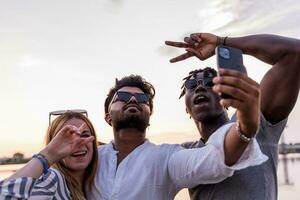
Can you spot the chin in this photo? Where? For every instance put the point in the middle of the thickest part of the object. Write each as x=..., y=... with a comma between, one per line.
x=203, y=117
x=78, y=166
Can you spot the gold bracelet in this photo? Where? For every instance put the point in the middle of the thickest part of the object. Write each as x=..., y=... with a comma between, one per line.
x=242, y=136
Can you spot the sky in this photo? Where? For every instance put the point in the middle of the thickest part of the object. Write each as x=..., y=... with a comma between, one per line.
x=66, y=54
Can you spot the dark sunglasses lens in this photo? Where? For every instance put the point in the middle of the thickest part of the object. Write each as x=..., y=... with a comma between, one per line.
x=190, y=84
x=209, y=83
x=123, y=96
x=142, y=98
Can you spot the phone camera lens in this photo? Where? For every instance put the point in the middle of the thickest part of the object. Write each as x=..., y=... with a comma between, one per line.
x=224, y=53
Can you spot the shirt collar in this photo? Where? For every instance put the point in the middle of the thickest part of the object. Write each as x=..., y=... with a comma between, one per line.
x=113, y=151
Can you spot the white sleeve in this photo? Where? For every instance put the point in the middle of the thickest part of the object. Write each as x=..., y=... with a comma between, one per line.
x=205, y=165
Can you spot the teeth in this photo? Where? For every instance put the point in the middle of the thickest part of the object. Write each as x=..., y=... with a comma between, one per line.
x=79, y=153
x=200, y=99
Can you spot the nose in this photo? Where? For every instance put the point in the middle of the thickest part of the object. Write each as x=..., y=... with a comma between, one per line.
x=200, y=88
x=132, y=99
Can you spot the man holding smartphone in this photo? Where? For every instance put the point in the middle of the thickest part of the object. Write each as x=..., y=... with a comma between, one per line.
x=279, y=92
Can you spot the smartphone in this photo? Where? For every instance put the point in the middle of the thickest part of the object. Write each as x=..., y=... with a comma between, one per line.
x=229, y=58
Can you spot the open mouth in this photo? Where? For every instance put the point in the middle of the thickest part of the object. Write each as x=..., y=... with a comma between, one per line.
x=79, y=153
x=200, y=99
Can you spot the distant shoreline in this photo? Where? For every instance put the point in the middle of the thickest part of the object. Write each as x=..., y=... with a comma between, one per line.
x=25, y=160
x=14, y=161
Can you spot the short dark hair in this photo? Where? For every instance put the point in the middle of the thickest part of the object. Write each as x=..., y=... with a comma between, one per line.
x=131, y=81
x=207, y=71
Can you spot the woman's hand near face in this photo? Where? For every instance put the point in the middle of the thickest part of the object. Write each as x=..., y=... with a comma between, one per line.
x=65, y=143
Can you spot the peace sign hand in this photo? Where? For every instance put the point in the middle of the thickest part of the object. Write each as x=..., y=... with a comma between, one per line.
x=200, y=45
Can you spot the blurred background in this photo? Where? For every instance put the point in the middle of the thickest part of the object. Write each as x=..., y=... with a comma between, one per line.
x=66, y=55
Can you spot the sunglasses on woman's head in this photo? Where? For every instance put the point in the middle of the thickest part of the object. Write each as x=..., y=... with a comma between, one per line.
x=61, y=112
x=126, y=96
x=193, y=83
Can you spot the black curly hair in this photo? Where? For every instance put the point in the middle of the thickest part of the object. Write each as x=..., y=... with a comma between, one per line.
x=208, y=72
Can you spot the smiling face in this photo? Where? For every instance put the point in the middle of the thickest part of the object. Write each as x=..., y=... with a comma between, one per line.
x=82, y=157
x=130, y=114
x=202, y=103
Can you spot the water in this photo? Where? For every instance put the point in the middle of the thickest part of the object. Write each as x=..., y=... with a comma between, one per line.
x=291, y=190
x=286, y=191
x=7, y=170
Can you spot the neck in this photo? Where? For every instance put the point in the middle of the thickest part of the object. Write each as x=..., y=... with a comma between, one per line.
x=126, y=140
x=206, y=129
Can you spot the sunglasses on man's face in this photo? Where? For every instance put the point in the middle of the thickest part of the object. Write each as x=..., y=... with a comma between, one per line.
x=126, y=96
x=193, y=83
x=61, y=112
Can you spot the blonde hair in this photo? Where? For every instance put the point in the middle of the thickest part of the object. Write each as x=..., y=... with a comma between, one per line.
x=76, y=192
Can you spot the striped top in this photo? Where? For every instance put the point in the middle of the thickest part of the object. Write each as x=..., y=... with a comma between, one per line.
x=49, y=186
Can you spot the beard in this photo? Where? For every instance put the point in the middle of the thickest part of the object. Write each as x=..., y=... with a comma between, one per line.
x=139, y=121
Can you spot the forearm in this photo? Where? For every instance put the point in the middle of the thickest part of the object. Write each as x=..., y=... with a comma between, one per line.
x=234, y=147
x=268, y=48
x=33, y=169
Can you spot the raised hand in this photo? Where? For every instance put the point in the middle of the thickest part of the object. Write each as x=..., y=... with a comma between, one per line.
x=201, y=45
x=66, y=142
x=246, y=97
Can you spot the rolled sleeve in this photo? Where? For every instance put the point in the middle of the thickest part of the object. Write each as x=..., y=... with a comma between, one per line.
x=30, y=188
x=19, y=188
x=190, y=167
x=252, y=155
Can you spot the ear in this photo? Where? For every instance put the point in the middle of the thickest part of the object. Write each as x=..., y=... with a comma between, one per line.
x=186, y=110
x=108, y=119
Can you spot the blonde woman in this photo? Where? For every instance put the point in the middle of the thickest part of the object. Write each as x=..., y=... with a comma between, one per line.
x=71, y=152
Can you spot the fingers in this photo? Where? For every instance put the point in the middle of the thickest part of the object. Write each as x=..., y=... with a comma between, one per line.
x=231, y=103
x=190, y=42
x=243, y=90
x=241, y=83
x=69, y=130
x=176, y=44
x=181, y=57
x=241, y=75
x=196, y=37
x=234, y=92
x=82, y=127
x=82, y=141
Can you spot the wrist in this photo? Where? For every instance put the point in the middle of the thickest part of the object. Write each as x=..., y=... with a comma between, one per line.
x=50, y=157
x=221, y=40
x=245, y=136
x=43, y=161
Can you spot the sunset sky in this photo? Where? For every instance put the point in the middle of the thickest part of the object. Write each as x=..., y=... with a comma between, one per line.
x=66, y=54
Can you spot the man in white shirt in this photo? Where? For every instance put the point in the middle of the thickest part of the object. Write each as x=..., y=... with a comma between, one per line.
x=131, y=167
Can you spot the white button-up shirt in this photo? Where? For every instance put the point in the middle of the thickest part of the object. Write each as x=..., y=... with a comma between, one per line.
x=158, y=172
